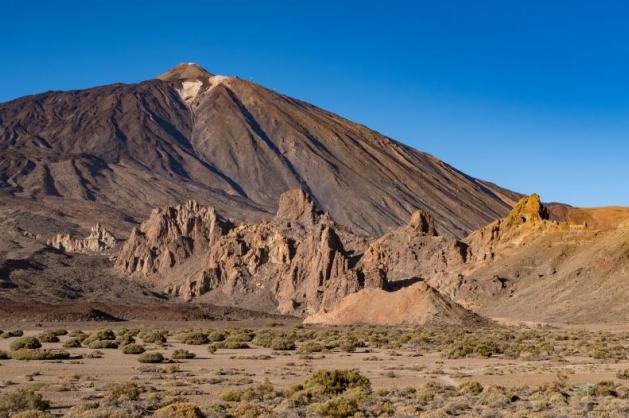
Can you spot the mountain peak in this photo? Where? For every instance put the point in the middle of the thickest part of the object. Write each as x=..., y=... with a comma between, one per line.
x=185, y=71
x=529, y=208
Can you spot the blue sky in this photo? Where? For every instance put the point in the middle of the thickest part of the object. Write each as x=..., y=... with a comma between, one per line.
x=533, y=95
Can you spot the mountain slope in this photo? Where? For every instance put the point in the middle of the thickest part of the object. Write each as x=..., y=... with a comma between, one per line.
x=120, y=150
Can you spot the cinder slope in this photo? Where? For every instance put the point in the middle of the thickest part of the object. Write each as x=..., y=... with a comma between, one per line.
x=418, y=304
x=121, y=150
x=609, y=217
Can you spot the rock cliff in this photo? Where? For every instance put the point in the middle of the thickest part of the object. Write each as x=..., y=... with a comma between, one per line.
x=296, y=262
x=99, y=240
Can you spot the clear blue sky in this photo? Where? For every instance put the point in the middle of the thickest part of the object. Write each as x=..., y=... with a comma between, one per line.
x=533, y=95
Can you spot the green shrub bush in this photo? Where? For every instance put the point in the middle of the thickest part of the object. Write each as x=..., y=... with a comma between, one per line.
x=231, y=345
x=264, y=339
x=72, y=343
x=124, y=391
x=179, y=410
x=133, y=349
x=183, y=354
x=78, y=334
x=231, y=396
x=101, y=344
x=39, y=354
x=193, y=338
x=22, y=400
x=334, y=382
x=48, y=337
x=100, y=335
x=153, y=357
x=11, y=334
x=282, y=343
x=153, y=337
x=25, y=342
x=215, y=336
x=470, y=387
x=311, y=347
x=125, y=339
x=337, y=407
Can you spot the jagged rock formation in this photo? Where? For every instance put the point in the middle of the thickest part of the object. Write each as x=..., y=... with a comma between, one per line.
x=122, y=150
x=422, y=222
x=171, y=236
x=99, y=240
x=528, y=218
x=418, y=304
x=411, y=252
x=523, y=266
x=299, y=263
x=296, y=263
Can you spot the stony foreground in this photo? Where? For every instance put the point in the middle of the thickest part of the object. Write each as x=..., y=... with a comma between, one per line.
x=283, y=369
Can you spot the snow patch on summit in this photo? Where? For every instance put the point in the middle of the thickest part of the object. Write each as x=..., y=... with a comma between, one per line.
x=190, y=90
x=218, y=80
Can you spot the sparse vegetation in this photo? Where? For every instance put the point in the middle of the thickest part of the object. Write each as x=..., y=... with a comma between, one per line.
x=153, y=337
x=48, y=337
x=39, y=354
x=151, y=357
x=99, y=335
x=72, y=343
x=336, y=381
x=12, y=334
x=125, y=391
x=103, y=344
x=163, y=387
x=22, y=400
x=193, y=338
x=25, y=342
x=179, y=410
x=133, y=349
x=182, y=354
x=125, y=339
x=282, y=343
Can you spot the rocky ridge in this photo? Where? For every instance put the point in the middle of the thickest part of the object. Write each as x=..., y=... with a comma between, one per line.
x=99, y=240
x=302, y=263
x=298, y=262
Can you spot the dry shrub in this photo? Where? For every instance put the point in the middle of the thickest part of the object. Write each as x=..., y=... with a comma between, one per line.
x=133, y=349
x=179, y=410
x=125, y=391
x=22, y=400
x=153, y=357
x=39, y=354
x=25, y=342
x=182, y=354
